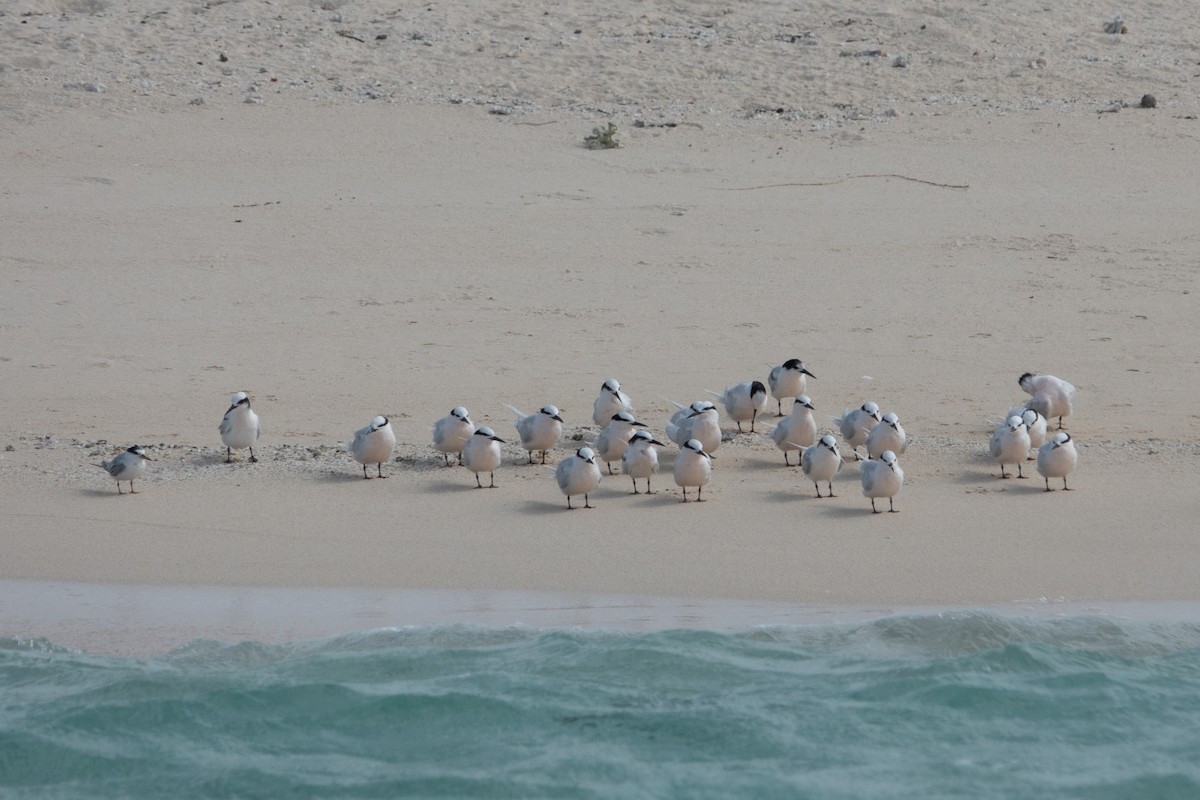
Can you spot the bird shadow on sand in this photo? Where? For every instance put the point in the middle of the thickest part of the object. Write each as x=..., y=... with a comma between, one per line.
x=788, y=496
x=618, y=496
x=105, y=492
x=770, y=465
x=992, y=482
x=546, y=507
x=808, y=497
x=976, y=476
x=844, y=510
x=348, y=476
x=206, y=459
x=446, y=486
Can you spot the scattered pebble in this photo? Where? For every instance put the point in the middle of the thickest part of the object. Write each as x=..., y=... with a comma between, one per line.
x=1148, y=101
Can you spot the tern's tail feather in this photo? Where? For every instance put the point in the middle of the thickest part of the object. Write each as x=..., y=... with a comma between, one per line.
x=716, y=395
x=520, y=414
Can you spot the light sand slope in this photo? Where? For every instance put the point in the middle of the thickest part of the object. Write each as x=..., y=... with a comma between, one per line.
x=340, y=263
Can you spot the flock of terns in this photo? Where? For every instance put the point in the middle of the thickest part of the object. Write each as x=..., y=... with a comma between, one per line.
x=695, y=428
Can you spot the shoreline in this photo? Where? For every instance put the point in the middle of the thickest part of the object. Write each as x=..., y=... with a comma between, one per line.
x=148, y=621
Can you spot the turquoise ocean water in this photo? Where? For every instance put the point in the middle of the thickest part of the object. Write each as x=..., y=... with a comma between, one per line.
x=966, y=704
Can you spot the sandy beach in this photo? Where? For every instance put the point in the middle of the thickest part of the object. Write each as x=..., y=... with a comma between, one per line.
x=346, y=225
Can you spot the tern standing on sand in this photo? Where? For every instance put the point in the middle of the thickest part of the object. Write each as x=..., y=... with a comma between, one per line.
x=539, y=431
x=373, y=445
x=481, y=454
x=611, y=400
x=697, y=421
x=744, y=401
x=798, y=431
x=693, y=467
x=821, y=462
x=1050, y=396
x=1057, y=458
x=882, y=478
x=578, y=475
x=788, y=380
x=451, y=432
x=239, y=428
x=640, y=459
x=1010, y=444
x=612, y=441
x=856, y=425
x=129, y=465
x=887, y=435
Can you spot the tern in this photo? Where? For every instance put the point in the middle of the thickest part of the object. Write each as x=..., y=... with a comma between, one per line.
x=373, y=445
x=451, y=432
x=693, y=467
x=578, y=475
x=882, y=478
x=239, y=428
x=788, y=380
x=129, y=465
